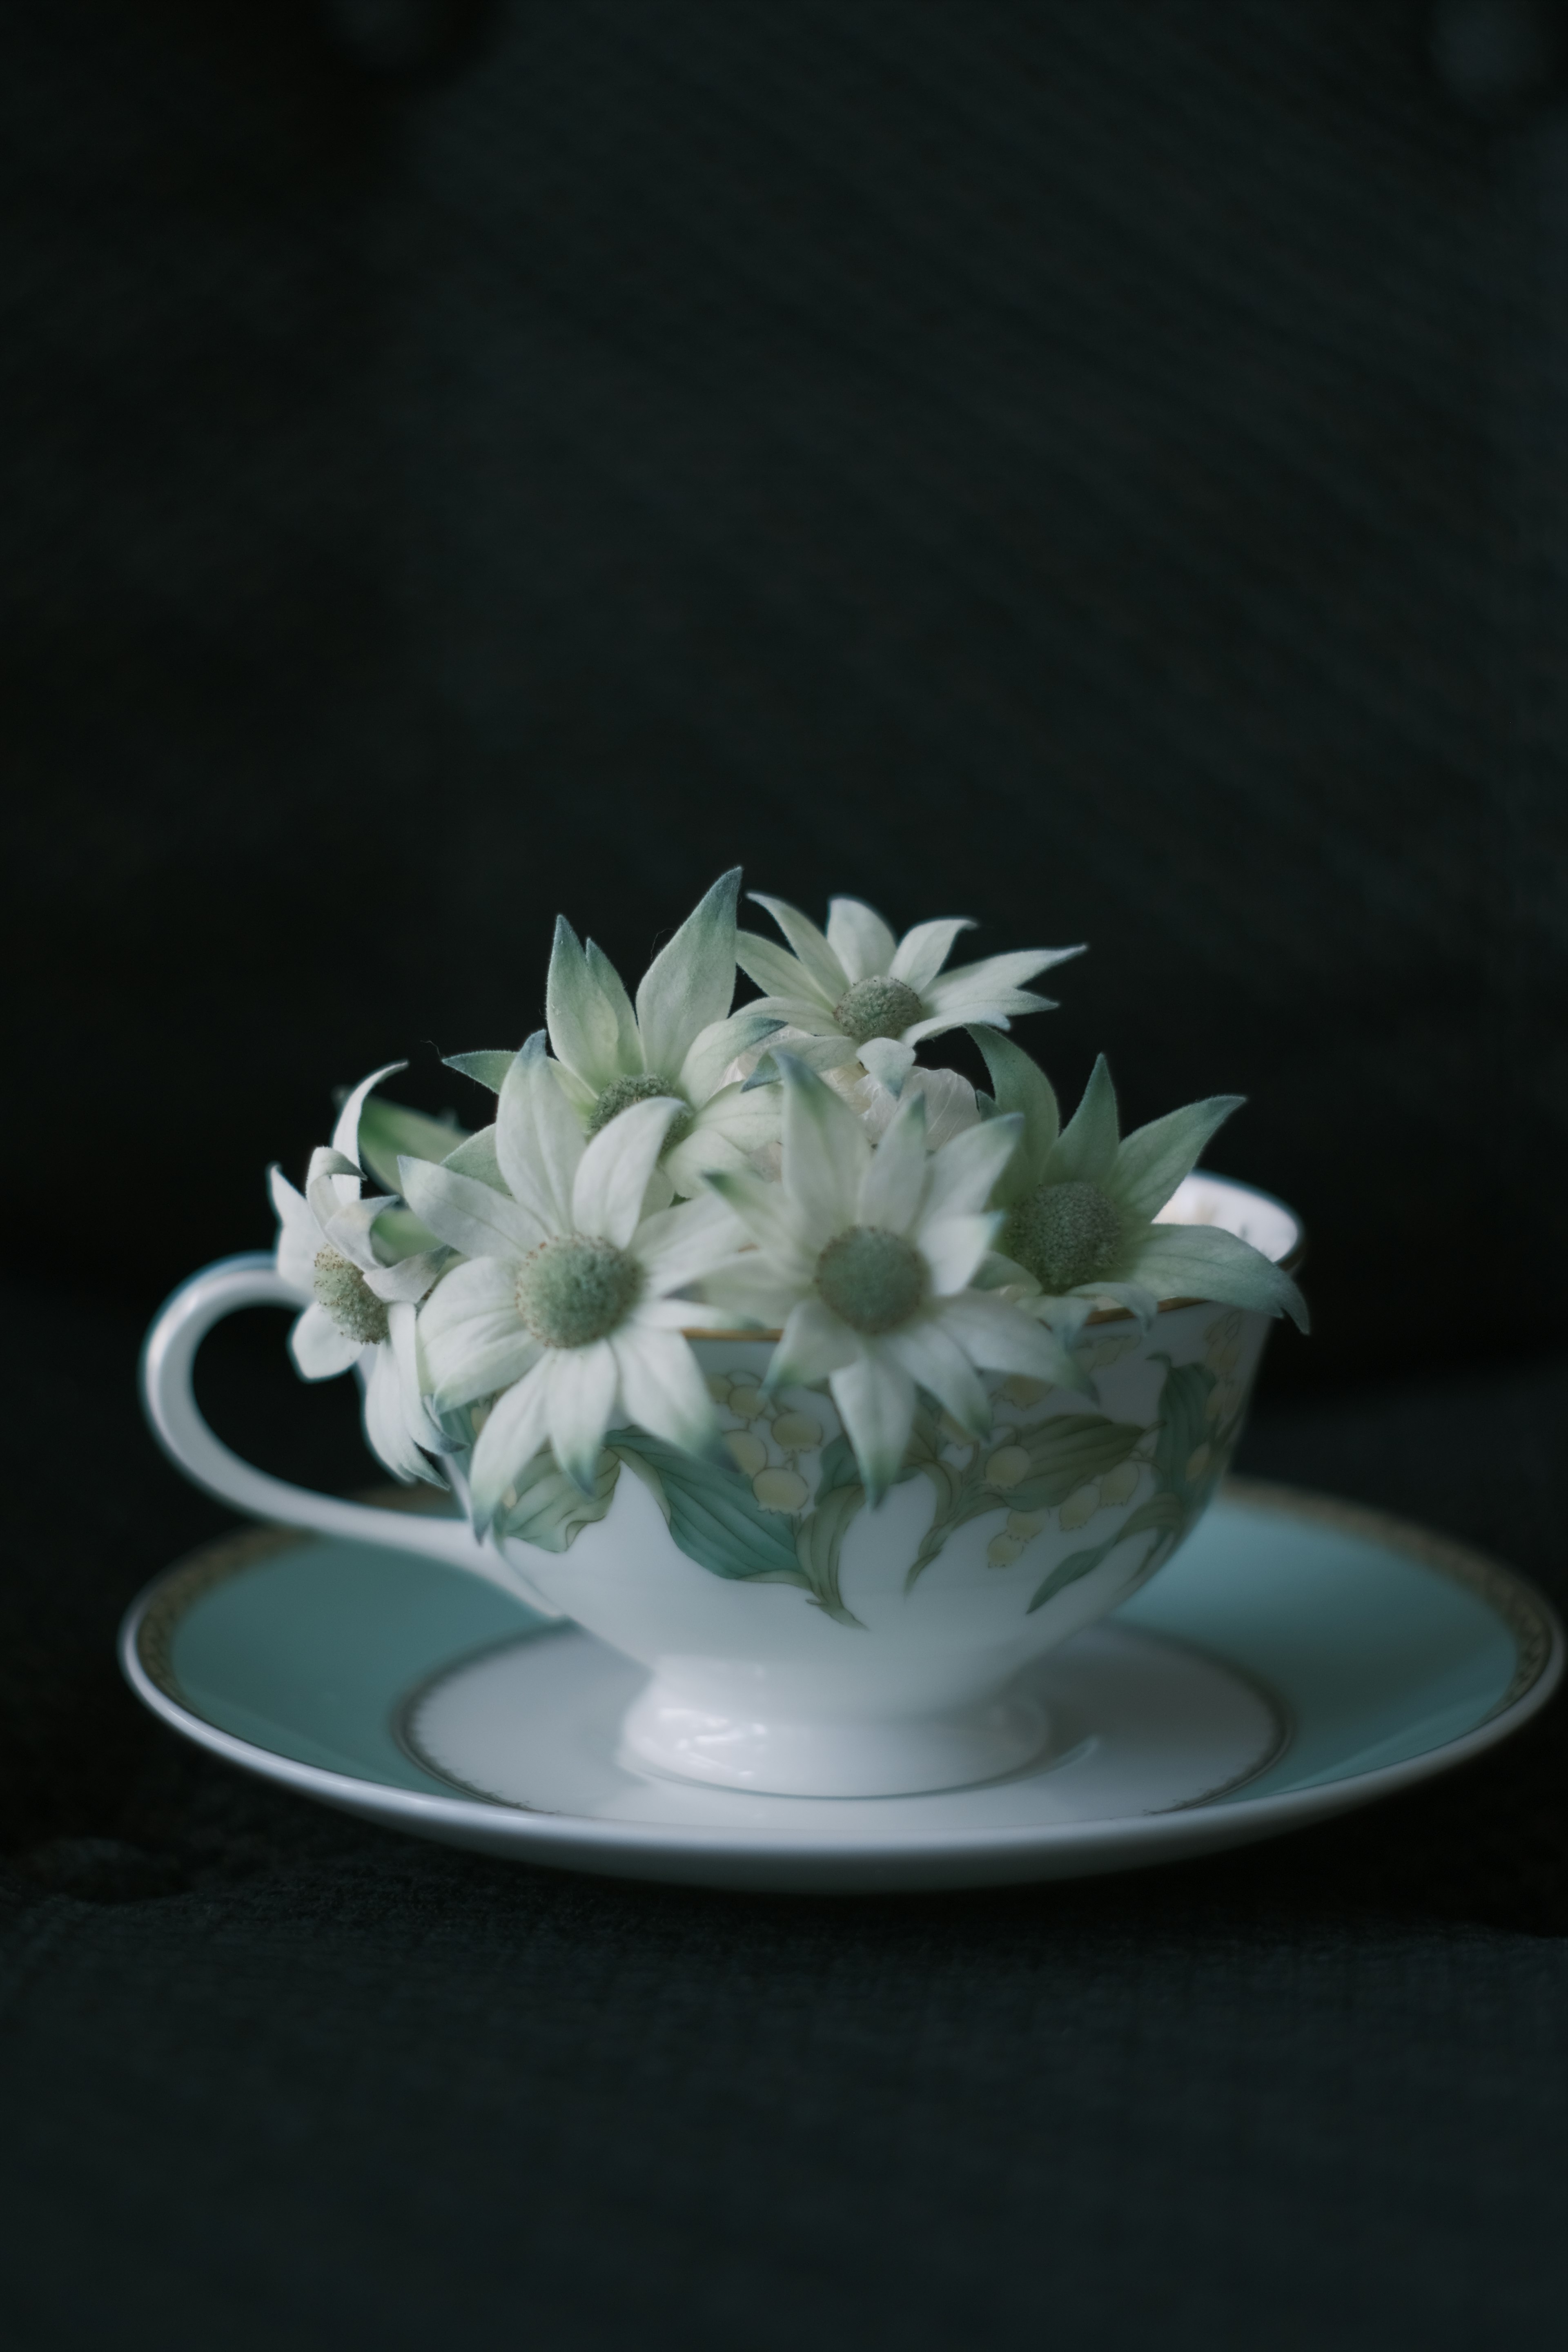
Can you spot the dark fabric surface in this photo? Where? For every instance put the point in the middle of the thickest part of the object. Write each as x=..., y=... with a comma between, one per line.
x=271, y=2075
x=1098, y=469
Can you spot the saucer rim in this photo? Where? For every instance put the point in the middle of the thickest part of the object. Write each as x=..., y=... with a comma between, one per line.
x=930, y=1858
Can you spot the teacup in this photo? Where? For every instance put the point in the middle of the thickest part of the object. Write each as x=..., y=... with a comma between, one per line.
x=796, y=1643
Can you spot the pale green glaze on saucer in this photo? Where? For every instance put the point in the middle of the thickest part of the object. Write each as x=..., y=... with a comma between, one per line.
x=1296, y=1658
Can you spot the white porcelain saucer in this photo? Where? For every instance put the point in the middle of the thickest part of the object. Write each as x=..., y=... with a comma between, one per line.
x=1297, y=1658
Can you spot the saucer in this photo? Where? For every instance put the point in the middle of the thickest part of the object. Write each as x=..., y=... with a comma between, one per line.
x=1297, y=1658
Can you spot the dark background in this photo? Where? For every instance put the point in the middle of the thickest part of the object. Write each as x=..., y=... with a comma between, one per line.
x=1095, y=468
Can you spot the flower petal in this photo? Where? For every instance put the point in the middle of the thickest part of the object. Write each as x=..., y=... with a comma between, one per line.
x=537, y=1140
x=345, y=1135
x=298, y=1236
x=890, y=1061
x=825, y=1151
x=319, y=1350
x=1001, y=1336
x=875, y=1401
x=952, y=1246
x=922, y=951
x=765, y=1211
x=995, y=975
x=894, y=1186
x=386, y=1421
x=1085, y=1151
x=409, y=1279
x=473, y=1340
x=1206, y=1262
x=690, y=980
x=612, y=1175
x=403, y=1329
x=1153, y=1160
x=814, y=956
x=581, y=1387
x=728, y=1127
x=467, y=1215
x=516, y=1429
x=859, y=939
x=933, y=1357
x=662, y=1388
x=722, y=1042
x=487, y=1068
x=964, y=1174
x=679, y=1245
x=584, y=1031
x=1021, y=1086
x=612, y=988
x=782, y=979
x=813, y=1344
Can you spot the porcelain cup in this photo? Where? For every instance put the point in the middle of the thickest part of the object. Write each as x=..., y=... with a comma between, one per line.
x=796, y=1643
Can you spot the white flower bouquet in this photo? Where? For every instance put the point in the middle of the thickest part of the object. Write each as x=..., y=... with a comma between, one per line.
x=526, y=1301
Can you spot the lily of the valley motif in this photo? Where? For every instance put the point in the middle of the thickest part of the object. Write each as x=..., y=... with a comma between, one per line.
x=525, y=1294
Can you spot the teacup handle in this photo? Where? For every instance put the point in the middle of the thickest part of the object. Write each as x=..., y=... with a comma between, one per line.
x=167, y=1358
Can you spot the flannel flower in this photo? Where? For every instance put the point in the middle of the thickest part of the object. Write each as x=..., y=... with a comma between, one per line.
x=360, y=1313
x=854, y=992
x=864, y=1255
x=564, y=1313
x=676, y=1044
x=1082, y=1202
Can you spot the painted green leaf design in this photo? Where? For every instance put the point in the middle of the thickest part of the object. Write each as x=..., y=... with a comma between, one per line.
x=1161, y=1515
x=818, y=1539
x=549, y=1511
x=715, y=1517
x=387, y=1128
x=1064, y=1453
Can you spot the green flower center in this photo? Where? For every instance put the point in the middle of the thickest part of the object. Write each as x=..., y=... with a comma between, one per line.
x=878, y=1007
x=871, y=1279
x=1065, y=1235
x=342, y=1290
x=647, y=1086
x=572, y=1290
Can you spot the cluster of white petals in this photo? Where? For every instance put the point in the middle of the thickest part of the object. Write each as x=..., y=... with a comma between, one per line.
x=667, y=1165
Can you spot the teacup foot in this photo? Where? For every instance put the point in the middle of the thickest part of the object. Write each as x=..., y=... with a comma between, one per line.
x=664, y=1731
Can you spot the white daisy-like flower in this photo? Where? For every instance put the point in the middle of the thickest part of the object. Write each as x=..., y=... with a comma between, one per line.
x=1082, y=1206
x=676, y=1044
x=864, y=1255
x=564, y=1313
x=361, y=1310
x=856, y=993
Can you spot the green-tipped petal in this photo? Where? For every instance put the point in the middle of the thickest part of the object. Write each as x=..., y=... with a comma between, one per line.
x=470, y=1216
x=345, y=1135
x=826, y=1149
x=965, y=1173
x=722, y=1042
x=1004, y=1339
x=613, y=989
x=537, y=1140
x=813, y=955
x=675, y=1246
x=894, y=1186
x=934, y=1358
x=612, y=1175
x=728, y=1129
x=584, y=1031
x=876, y=1400
x=859, y=939
x=814, y=1343
x=473, y=1339
x=779, y=975
x=487, y=1067
x=1153, y=1160
x=690, y=982
x=517, y=1428
x=580, y=1388
x=922, y=952
x=890, y=1061
x=1022, y=1087
x=1086, y=1149
x=1206, y=1262
x=952, y=1247
x=663, y=1390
